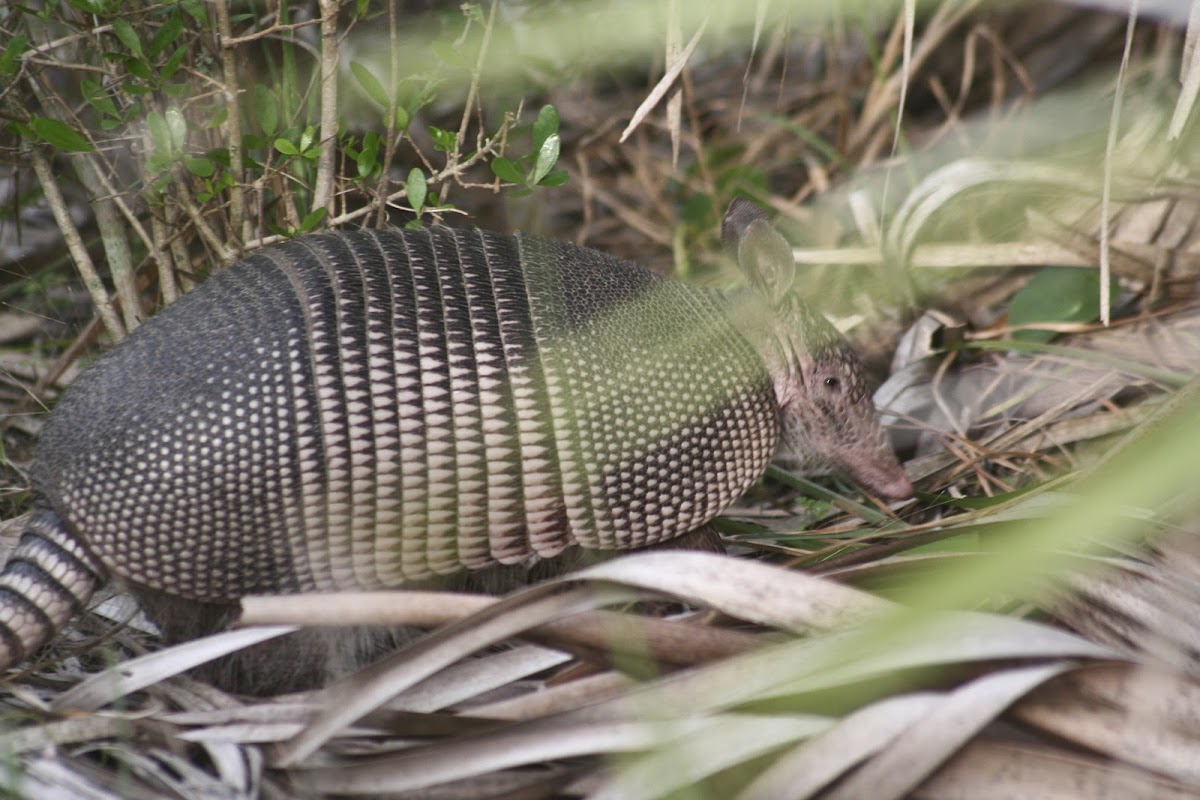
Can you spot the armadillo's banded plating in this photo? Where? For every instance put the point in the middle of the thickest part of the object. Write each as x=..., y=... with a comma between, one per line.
x=46, y=580
x=365, y=409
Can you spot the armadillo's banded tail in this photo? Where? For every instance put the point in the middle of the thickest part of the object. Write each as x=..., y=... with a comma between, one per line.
x=47, y=580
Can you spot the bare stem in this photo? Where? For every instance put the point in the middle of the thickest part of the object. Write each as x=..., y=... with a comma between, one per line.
x=323, y=192
x=83, y=259
x=239, y=223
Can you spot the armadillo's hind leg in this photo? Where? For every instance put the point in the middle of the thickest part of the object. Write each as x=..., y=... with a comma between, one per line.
x=47, y=580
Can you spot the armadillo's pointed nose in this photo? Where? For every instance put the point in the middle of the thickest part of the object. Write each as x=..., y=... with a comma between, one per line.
x=882, y=476
x=900, y=488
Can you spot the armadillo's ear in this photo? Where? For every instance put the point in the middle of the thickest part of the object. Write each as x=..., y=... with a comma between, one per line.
x=763, y=254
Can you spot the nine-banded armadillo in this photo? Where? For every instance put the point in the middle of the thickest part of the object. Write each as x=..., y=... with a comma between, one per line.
x=368, y=409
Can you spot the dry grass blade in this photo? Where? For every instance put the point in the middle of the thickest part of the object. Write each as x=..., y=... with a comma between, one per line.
x=941, y=186
x=350, y=699
x=664, y=84
x=990, y=770
x=728, y=740
x=675, y=642
x=63, y=732
x=950, y=724
x=743, y=589
x=554, y=699
x=526, y=743
x=1190, y=76
x=675, y=710
x=105, y=687
x=470, y=679
x=1138, y=714
x=801, y=772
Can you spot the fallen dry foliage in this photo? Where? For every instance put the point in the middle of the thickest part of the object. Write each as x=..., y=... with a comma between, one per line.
x=1025, y=627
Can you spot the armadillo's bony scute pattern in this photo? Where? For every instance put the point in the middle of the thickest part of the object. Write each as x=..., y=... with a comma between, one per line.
x=359, y=410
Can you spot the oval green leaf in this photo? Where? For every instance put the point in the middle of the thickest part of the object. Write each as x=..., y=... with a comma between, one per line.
x=166, y=35
x=556, y=177
x=506, y=170
x=547, y=157
x=416, y=188
x=545, y=126
x=177, y=125
x=200, y=167
x=1055, y=295
x=369, y=83
x=124, y=32
x=14, y=48
x=266, y=110
x=60, y=135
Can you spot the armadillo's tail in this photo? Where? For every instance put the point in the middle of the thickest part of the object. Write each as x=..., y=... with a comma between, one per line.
x=47, y=580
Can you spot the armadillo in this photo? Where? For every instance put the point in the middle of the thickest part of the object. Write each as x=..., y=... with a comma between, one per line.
x=368, y=409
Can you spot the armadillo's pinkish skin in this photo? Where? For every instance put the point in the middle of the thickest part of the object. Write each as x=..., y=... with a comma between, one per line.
x=363, y=410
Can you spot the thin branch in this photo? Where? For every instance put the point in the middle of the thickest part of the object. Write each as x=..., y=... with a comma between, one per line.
x=274, y=30
x=389, y=147
x=166, y=275
x=224, y=252
x=323, y=192
x=473, y=89
x=79, y=252
x=239, y=223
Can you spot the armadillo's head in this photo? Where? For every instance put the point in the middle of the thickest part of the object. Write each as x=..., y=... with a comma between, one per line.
x=826, y=414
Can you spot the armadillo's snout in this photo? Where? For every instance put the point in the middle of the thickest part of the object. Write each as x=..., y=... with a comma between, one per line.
x=882, y=476
x=900, y=488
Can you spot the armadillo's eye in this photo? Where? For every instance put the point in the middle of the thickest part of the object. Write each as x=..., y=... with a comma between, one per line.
x=833, y=384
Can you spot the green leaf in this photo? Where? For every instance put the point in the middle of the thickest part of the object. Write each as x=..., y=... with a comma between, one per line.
x=1056, y=295
x=139, y=69
x=286, y=147
x=312, y=220
x=266, y=110
x=200, y=167
x=125, y=33
x=506, y=170
x=306, y=138
x=14, y=48
x=368, y=159
x=177, y=126
x=370, y=84
x=416, y=189
x=402, y=118
x=219, y=155
x=159, y=134
x=166, y=35
x=195, y=9
x=443, y=140
x=556, y=177
x=218, y=118
x=60, y=135
x=547, y=157
x=98, y=98
x=172, y=64
x=545, y=126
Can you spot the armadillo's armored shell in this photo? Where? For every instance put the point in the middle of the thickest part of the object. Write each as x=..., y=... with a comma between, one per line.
x=359, y=410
